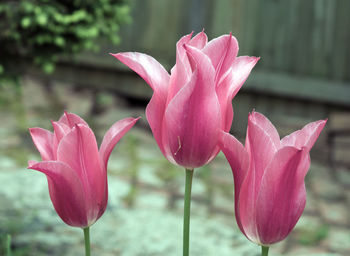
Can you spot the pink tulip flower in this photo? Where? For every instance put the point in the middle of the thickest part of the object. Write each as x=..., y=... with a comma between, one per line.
x=192, y=105
x=75, y=168
x=269, y=177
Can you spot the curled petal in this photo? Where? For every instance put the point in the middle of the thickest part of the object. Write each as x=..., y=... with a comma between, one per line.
x=43, y=140
x=66, y=192
x=148, y=68
x=192, y=116
x=231, y=84
x=282, y=195
x=305, y=137
x=113, y=135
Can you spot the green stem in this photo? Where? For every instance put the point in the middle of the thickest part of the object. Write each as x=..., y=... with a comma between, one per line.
x=264, y=250
x=187, y=209
x=87, y=241
x=8, y=245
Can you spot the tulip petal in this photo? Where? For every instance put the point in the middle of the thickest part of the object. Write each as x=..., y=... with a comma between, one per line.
x=262, y=142
x=192, y=116
x=78, y=149
x=238, y=159
x=148, y=68
x=66, y=192
x=112, y=137
x=71, y=120
x=199, y=40
x=306, y=137
x=282, y=195
x=158, y=78
x=222, y=52
x=155, y=114
x=181, y=72
x=43, y=140
x=231, y=84
x=60, y=130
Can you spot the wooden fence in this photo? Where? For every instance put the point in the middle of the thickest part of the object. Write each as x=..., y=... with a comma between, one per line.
x=303, y=75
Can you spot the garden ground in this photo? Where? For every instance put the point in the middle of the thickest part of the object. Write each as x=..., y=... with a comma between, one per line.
x=144, y=214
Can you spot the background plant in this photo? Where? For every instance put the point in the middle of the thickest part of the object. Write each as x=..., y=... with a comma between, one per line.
x=42, y=31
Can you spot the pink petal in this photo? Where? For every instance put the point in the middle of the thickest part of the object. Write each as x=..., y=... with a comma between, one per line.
x=113, y=135
x=155, y=114
x=148, y=68
x=240, y=70
x=222, y=52
x=245, y=205
x=71, y=119
x=60, y=130
x=305, y=137
x=199, y=40
x=262, y=142
x=282, y=195
x=43, y=141
x=231, y=84
x=78, y=149
x=181, y=72
x=66, y=192
x=238, y=159
x=192, y=116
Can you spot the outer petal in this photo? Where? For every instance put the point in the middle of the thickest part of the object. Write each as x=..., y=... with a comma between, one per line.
x=113, y=135
x=238, y=159
x=192, y=116
x=231, y=84
x=148, y=68
x=222, y=51
x=43, y=141
x=66, y=192
x=71, y=119
x=305, y=137
x=78, y=149
x=282, y=196
x=158, y=78
x=262, y=142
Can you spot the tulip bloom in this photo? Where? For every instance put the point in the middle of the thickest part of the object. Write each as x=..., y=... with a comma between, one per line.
x=192, y=105
x=269, y=177
x=75, y=168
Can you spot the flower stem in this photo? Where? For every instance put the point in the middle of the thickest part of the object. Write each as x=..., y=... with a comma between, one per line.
x=8, y=246
x=187, y=208
x=87, y=241
x=264, y=250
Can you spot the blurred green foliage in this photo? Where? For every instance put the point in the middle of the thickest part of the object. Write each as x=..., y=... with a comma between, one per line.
x=41, y=31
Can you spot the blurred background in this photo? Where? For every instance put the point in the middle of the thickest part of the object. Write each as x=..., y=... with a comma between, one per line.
x=54, y=57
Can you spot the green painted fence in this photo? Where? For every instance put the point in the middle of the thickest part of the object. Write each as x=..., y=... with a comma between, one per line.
x=303, y=75
x=299, y=39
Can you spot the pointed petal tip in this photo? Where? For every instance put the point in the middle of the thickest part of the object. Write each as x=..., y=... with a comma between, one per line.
x=115, y=55
x=31, y=163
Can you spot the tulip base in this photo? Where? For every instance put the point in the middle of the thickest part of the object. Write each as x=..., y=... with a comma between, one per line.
x=187, y=209
x=264, y=250
x=87, y=241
